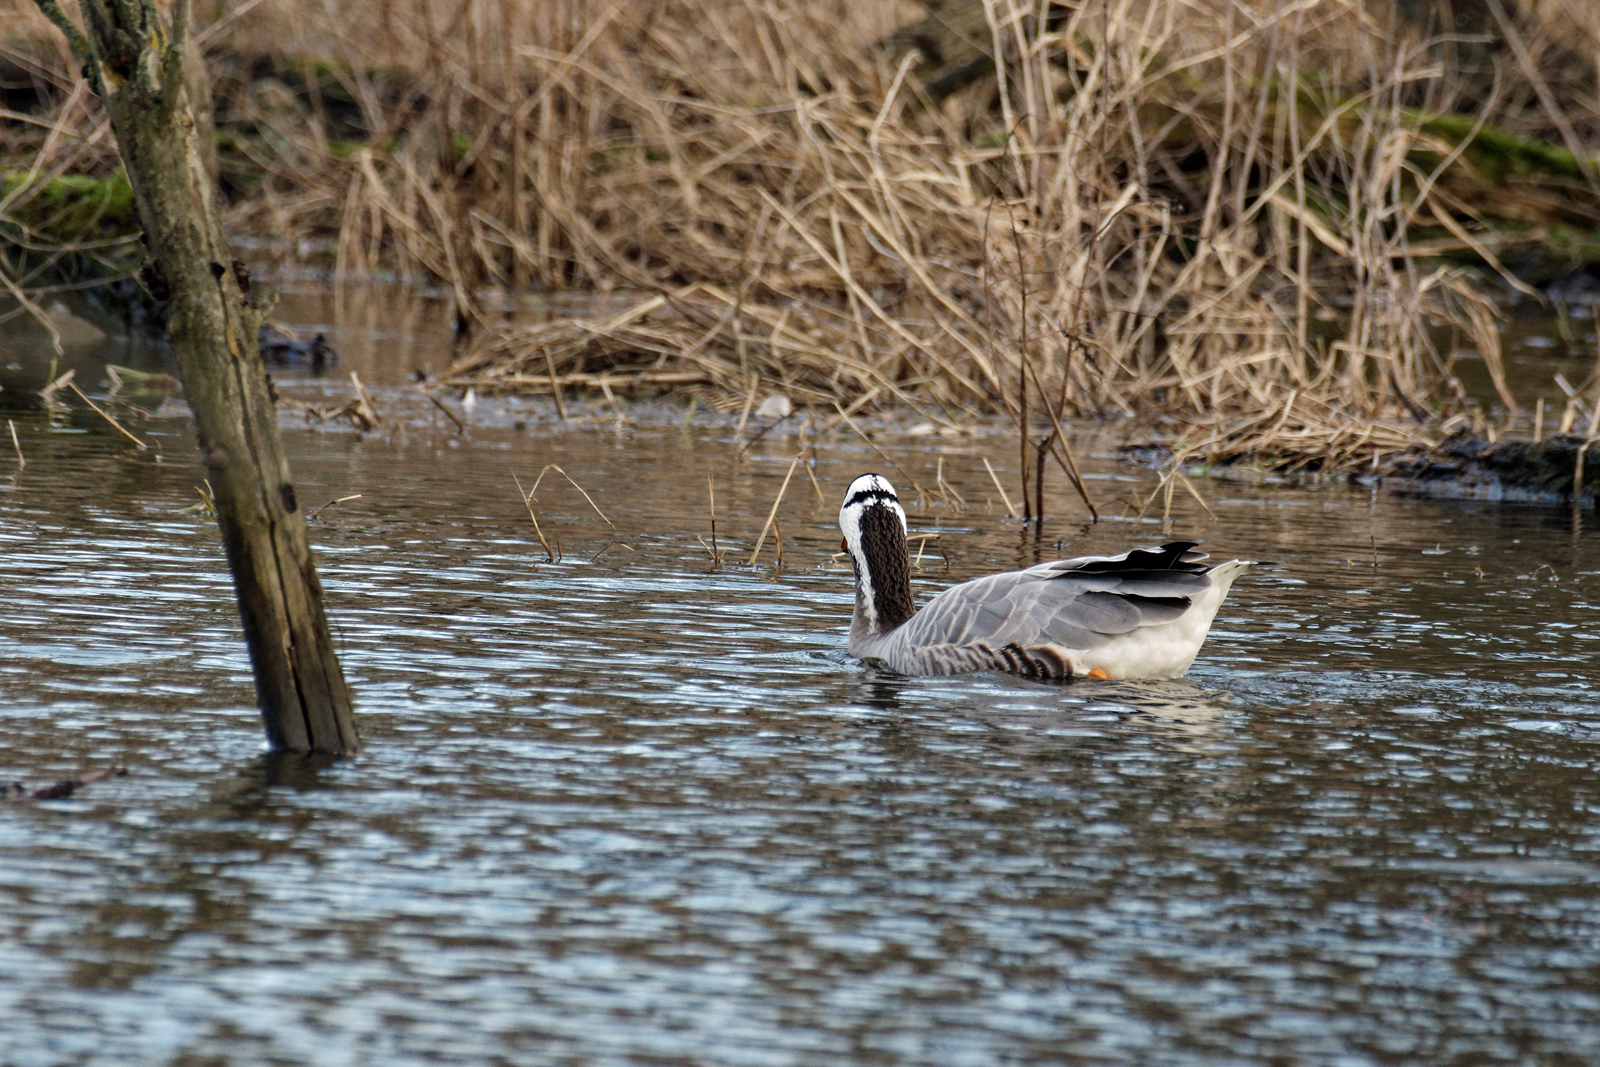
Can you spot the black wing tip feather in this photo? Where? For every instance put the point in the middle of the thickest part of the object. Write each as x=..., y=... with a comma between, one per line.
x=1172, y=556
x=1182, y=552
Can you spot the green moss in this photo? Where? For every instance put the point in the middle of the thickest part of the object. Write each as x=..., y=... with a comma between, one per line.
x=329, y=71
x=75, y=207
x=1493, y=154
x=1497, y=155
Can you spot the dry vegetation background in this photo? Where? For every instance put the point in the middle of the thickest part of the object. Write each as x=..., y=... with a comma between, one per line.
x=1236, y=216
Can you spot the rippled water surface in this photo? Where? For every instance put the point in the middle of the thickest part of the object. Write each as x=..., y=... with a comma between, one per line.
x=620, y=809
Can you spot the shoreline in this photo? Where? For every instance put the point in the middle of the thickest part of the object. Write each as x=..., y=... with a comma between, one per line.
x=1461, y=467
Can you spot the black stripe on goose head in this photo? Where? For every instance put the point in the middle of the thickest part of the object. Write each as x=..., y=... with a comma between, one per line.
x=865, y=490
x=870, y=492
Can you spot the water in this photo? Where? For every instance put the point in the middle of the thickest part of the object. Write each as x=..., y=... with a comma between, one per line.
x=626, y=810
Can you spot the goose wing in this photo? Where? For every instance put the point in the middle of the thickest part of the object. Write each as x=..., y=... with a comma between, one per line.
x=1073, y=603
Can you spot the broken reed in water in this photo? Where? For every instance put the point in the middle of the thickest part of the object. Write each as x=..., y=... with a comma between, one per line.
x=1146, y=206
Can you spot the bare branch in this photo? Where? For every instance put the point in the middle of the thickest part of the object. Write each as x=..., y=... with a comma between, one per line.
x=172, y=76
x=80, y=43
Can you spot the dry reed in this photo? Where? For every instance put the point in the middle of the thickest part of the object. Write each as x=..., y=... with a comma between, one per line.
x=581, y=490
x=361, y=410
x=460, y=426
x=98, y=410
x=712, y=549
x=773, y=514
x=208, y=500
x=856, y=276
x=527, y=500
x=313, y=513
x=12, y=791
x=1142, y=212
x=1011, y=511
x=554, y=556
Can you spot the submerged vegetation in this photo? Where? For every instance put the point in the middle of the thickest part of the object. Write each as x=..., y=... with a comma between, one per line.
x=1268, y=228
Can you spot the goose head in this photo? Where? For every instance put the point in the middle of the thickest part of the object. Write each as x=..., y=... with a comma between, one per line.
x=874, y=528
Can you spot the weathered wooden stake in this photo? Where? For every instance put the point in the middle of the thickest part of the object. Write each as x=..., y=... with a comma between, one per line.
x=136, y=65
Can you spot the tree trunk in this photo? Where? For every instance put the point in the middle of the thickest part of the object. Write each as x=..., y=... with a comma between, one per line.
x=138, y=69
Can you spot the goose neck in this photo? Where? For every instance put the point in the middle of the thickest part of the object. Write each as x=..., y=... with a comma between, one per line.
x=883, y=572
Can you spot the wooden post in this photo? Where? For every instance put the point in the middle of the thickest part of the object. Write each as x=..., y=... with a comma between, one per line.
x=136, y=65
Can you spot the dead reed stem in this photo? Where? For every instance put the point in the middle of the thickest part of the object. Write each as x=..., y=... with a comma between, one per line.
x=1593, y=430
x=711, y=497
x=38, y=314
x=61, y=790
x=822, y=501
x=947, y=492
x=859, y=432
x=340, y=500
x=104, y=415
x=461, y=427
x=1056, y=445
x=552, y=467
x=773, y=514
x=922, y=544
x=527, y=500
x=362, y=412
x=1011, y=511
x=608, y=546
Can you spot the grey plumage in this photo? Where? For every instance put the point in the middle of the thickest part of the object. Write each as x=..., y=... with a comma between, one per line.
x=1142, y=614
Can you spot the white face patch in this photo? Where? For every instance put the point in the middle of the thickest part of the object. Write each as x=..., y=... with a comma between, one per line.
x=867, y=491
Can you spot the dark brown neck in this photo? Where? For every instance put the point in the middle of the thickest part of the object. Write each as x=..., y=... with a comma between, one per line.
x=883, y=543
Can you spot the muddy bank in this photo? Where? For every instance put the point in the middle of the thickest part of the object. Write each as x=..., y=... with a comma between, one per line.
x=1520, y=472
x=1461, y=467
x=315, y=389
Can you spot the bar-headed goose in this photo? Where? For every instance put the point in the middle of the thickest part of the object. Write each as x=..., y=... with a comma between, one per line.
x=1142, y=614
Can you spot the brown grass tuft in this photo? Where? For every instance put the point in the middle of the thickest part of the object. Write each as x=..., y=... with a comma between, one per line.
x=1204, y=210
